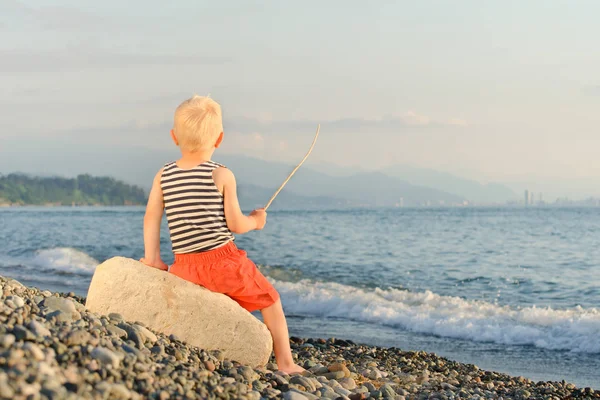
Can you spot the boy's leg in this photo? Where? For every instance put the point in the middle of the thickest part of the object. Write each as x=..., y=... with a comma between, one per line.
x=275, y=320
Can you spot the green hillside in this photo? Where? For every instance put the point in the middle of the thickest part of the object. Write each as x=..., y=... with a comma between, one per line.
x=21, y=189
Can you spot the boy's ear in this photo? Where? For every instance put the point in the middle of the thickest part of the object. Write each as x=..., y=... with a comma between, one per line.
x=219, y=140
x=174, y=138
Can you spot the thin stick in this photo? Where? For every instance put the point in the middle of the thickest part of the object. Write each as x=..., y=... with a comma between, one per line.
x=295, y=169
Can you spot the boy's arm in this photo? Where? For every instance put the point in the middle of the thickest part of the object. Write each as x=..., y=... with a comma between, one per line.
x=152, y=220
x=237, y=222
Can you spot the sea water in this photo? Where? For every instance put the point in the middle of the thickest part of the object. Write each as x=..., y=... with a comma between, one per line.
x=508, y=289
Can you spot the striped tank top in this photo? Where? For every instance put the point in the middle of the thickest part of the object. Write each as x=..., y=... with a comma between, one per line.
x=194, y=208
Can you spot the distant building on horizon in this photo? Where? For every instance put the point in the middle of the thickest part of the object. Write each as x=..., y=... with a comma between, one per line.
x=526, y=198
x=531, y=199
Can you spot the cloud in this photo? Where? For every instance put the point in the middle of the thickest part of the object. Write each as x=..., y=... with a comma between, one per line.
x=59, y=18
x=15, y=61
x=14, y=7
x=72, y=19
x=251, y=133
x=407, y=122
x=457, y=122
x=592, y=90
x=412, y=118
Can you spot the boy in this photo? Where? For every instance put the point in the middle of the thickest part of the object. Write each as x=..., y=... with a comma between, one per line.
x=203, y=212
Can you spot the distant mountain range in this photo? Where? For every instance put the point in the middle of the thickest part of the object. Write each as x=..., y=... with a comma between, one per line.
x=315, y=185
x=471, y=190
x=373, y=189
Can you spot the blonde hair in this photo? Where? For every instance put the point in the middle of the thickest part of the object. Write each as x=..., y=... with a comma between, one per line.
x=198, y=123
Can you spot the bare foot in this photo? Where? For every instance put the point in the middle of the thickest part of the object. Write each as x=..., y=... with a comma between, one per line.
x=292, y=369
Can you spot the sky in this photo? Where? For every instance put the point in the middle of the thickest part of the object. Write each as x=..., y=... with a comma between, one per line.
x=496, y=91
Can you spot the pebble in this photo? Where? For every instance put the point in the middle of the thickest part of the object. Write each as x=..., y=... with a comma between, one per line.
x=131, y=350
x=319, y=370
x=7, y=340
x=347, y=383
x=35, y=351
x=164, y=395
x=209, y=365
x=116, y=317
x=38, y=329
x=387, y=391
x=146, y=333
x=357, y=396
x=6, y=392
x=248, y=373
x=374, y=374
x=338, y=367
x=78, y=337
x=227, y=380
x=328, y=393
x=13, y=283
x=60, y=316
x=17, y=301
x=105, y=356
x=59, y=304
x=369, y=386
x=218, y=354
x=9, y=303
x=119, y=391
x=303, y=381
x=335, y=375
x=361, y=389
x=22, y=333
x=341, y=391
x=115, y=330
x=293, y=395
x=281, y=381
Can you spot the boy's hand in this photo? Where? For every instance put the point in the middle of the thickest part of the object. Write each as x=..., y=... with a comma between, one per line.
x=260, y=216
x=159, y=264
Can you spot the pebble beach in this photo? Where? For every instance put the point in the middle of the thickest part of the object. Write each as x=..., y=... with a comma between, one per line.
x=51, y=347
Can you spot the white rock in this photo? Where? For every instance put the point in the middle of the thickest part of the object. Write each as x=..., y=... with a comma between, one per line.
x=341, y=391
x=374, y=374
x=58, y=303
x=106, y=356
x=19, y=302
x=14, y=284
x=147, y=333
x=38, y=329
x=35, y=350
x=45, y=369
x=119, y=391
x=30, y=390
x=293, y=395
x=7, y=340
x=171, y=305
x=348, y=383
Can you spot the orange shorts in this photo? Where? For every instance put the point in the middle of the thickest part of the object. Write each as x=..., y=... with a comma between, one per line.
x=227, y=270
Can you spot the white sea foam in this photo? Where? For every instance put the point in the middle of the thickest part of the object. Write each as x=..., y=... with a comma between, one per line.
x=575, y=329
x=65, y=259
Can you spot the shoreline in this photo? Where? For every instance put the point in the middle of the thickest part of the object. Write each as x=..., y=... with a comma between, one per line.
x=52, y=205
x=346, y=208
x=50, y=344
